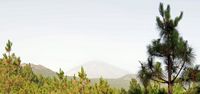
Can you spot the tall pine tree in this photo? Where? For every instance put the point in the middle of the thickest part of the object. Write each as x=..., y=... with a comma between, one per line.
x=169, y=49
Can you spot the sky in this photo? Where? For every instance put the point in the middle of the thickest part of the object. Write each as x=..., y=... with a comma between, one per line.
x=68, y=33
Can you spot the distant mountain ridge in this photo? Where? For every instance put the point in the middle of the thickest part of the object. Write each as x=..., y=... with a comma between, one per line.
x=97, y=69
x=41, y=70
x=121, y=81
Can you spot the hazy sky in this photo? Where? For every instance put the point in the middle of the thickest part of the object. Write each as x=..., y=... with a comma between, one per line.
x=67, y=33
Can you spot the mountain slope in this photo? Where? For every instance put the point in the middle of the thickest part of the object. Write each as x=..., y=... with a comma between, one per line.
x=97, y=69
x=41, y=70
x=122, y=82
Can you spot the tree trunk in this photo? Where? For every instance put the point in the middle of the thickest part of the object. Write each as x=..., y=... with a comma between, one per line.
x=170, y=83
x=170, y=88
x=145, y=90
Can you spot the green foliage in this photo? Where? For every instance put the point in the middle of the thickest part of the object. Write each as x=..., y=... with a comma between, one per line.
x=123, y=91
x=190, y=76
x=20, y=79
x=178, y=89
x=8, y=46
x=170, y=49
x=193, y=90
x=134, y=87
x=103, y=87
x=60, y=75
x=155, y=89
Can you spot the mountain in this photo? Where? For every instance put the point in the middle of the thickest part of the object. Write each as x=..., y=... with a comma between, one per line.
x=41, y=70
x=121, y=80
x=97, y=69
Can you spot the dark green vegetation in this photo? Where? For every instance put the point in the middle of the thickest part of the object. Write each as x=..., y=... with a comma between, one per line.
x=169, y=55
x=169, y=69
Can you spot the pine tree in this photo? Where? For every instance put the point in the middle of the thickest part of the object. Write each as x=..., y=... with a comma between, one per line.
x=190, y=76
x=169, y=49
x=134, y=87
x=103, y=87
x=84, y=82
x=123, y=91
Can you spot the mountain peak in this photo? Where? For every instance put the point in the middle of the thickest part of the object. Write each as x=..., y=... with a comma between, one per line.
x=97, y=69
x=41, y=70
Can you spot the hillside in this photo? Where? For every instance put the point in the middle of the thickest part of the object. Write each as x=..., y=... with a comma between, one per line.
x=41, y=70
x=121, y=82
x=97, y=69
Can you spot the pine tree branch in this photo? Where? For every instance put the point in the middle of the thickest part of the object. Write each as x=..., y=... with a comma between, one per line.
x=159, y=81
x=157, y=75
x=160, y=78
x=179, y=71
